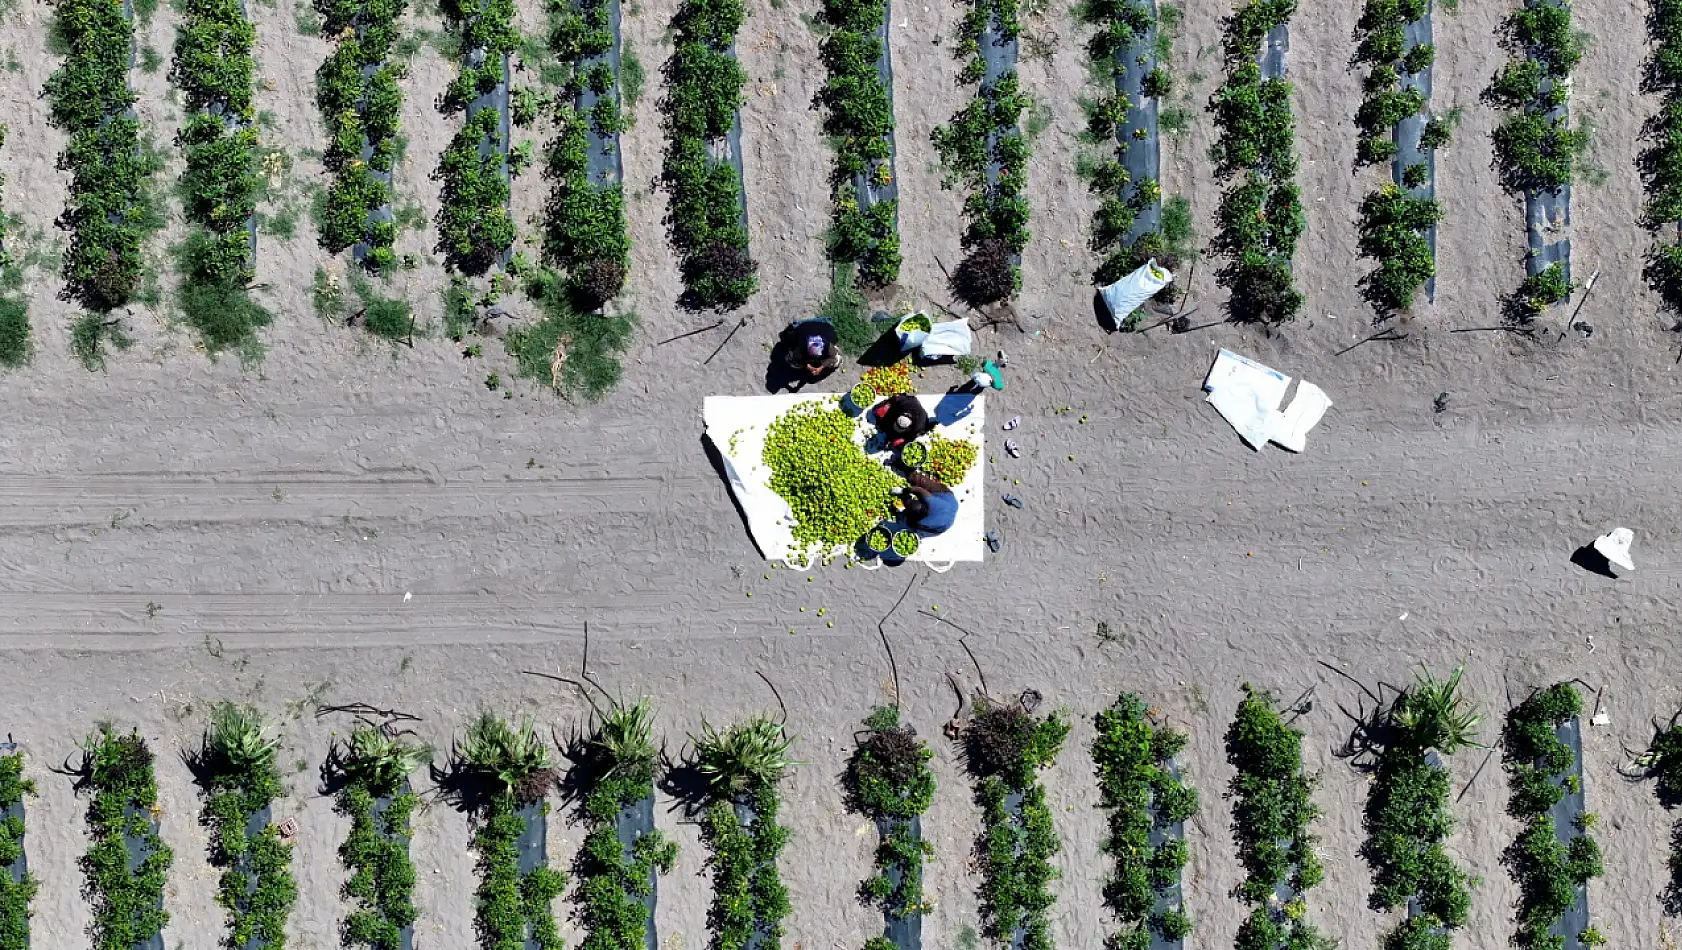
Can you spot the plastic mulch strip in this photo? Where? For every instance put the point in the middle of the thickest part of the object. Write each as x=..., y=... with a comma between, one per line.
x=139, y=849
x=1170, y=897
x=729, y=151
x=607, y=167
x=1434, y=761
x=1141, y=157
x=496, y=98
x=1013, y=809
x=533, y=845
x=864, y=185
x=1272, y=63
x=1548, y=212
x=254, y=825
x=999, y=55
x=405, y=935
x=382, y=214
x=1408, y=131
x=906, y=933
x=633, y=822
x=1565, y=815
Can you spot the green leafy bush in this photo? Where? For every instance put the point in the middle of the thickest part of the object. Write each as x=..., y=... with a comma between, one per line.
x=1139, y=790
x=1533, y=151
x=110, y=212
x=1660, y=161
x=1407, y=813
x=475, y=226
x=1272, y=808
x=1392, y=232
x=15, y=894
x=1538, y=292
x=584, y=225
x=859, y=118
x=126, y=901
x=1123, y=29
x=1539, y=765
x=889, y=781
x=376, y=765
x=704, y=90
x=256, y=886
x=984, y=150
x=743, y=766
x=512, y=907
x=14, y=307
x=619, y=764
x=359, y=96
x=569, y=349
x=1260, y=216
x=1005, y=746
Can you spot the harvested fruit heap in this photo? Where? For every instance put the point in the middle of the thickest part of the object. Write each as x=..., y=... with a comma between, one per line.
x=890, y=380
x=949, y=460
x=835, y=491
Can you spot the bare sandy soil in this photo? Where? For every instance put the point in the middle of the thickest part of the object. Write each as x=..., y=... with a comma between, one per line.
x=350, y=522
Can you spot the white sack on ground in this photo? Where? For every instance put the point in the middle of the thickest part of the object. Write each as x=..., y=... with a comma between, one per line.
x=1247, y=394
x=1130, y=293
x=951, y=338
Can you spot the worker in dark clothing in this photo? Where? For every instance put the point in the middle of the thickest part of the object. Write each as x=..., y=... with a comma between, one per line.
x=810, y=350
x=930, y=507
x=900, y=418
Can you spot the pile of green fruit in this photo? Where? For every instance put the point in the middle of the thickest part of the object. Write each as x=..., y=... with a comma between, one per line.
x=877, y=540
x=835, y=491
x=913, y=454
x=905, y=543
x=949, y=460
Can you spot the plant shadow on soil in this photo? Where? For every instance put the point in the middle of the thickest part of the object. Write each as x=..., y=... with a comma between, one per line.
x=681, y=778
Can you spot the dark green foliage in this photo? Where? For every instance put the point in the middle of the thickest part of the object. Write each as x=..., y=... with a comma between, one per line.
x=890, y=782
x=15, y=895
x=109, y=213
x=475, y=227
x=1260, y=216
x=256, y=889
x=93, y=335
x=1532, y=151
x=703, y=91
x=1272, y=808
x=1548, y=872
x=1407, y=813
x=1393, y=225
x=512, y=907
x=360, y=113
x=844, y=307
x=859, y=117
x=742, y=766
x=589, y=343
x=381, y=885
x=982, y=134
x=1137, y=787
x=14, y=308
x=1122, y=27
x=1004, y=748
x=126, y=904
x=1538, y=292
x=1381, y=47
x=584, y=225
x=1661, y=158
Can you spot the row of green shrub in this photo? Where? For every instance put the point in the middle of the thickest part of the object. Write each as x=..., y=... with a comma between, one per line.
x=215, y=72
x=703, y=93
x=374, y=767
x=1260, y=217
x=1408, y=816
x=360, y=100
x=256, y=888
x=15, y=346
x=1132, y=756
x=1272, y=809
x=1534, y=152
x=1126, y=30
x=585, y=234
x=742, y=766
x=1539, y=773
x=859, y=118
x=110, y=211
x=1661, y=159
x=125, y=897
x=15, y=892
x=1005, y=746
x=889, y=781
x=982, y=134
x=475, y=225
x=1393, y=221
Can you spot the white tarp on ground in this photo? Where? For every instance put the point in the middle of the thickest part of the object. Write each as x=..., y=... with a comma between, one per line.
x=737, y=425
x=1247, y=394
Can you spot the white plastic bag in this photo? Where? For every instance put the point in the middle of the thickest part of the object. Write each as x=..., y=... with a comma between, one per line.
x=951, y=338
x=1130, y=293
x=911, y=339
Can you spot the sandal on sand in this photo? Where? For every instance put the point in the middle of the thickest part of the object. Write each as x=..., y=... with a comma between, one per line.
x=1012, y=500
x=1014, y=449
x=1002, y=359
x=992, y=539
x=1012, y=423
